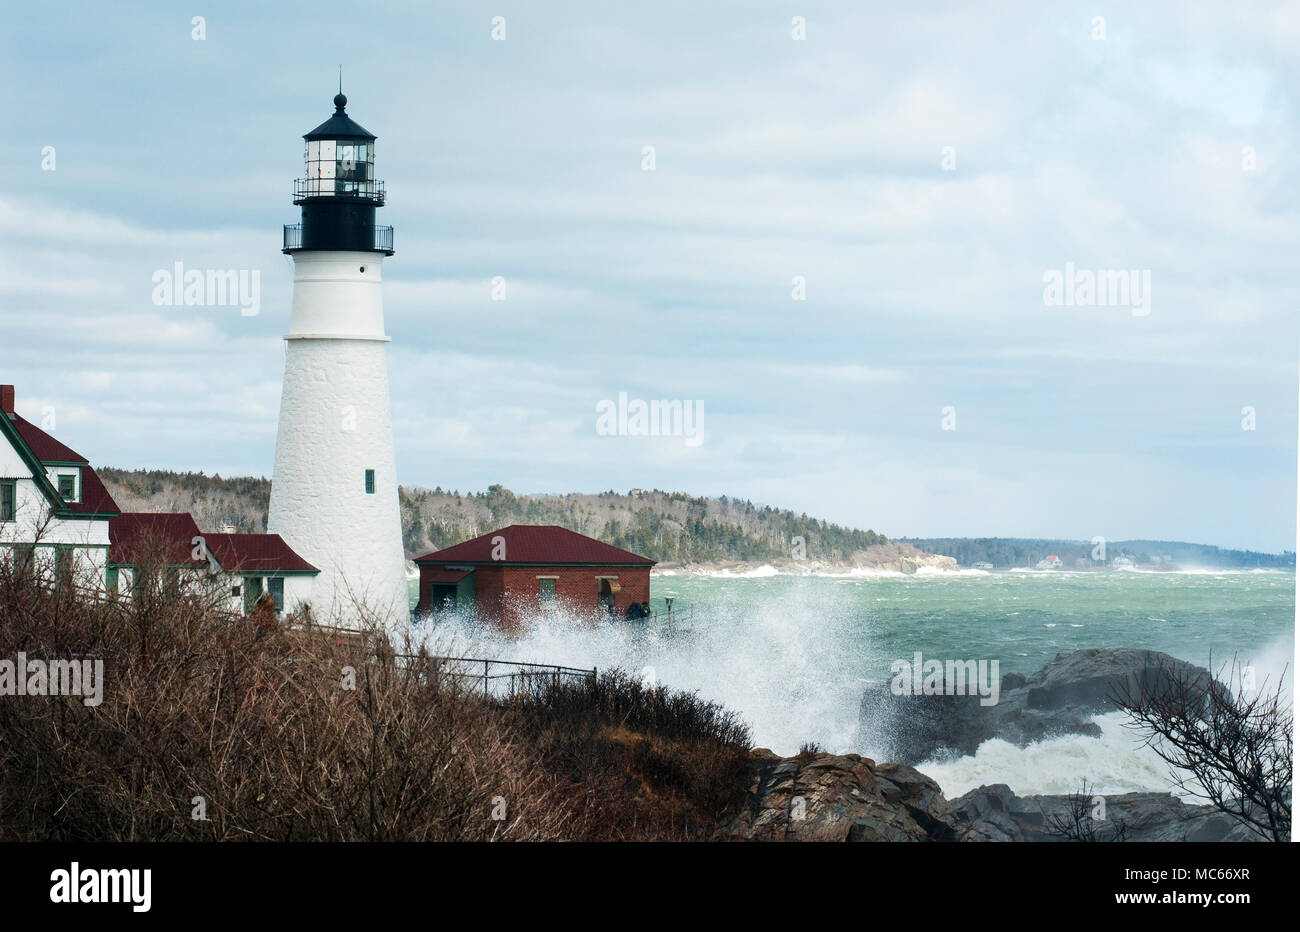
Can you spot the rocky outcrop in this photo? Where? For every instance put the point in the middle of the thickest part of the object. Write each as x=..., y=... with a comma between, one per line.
x=840, y=797
x=995, y=813
x=846, y=797
x=890, y=557
x=901, y=558
x=1060, y=699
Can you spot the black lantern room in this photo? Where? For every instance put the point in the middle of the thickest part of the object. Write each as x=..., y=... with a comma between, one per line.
x=338, y=192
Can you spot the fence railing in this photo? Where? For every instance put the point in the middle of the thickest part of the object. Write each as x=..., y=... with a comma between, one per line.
x=382, y=241
x=499, y=677
x=671, y=616
x=372, y=189
x=508, y=676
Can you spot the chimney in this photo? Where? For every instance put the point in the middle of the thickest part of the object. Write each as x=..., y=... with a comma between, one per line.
x=6, y=399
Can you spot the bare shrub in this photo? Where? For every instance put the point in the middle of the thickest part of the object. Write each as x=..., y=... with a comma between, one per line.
x=635, y=761
x=1076, y=823
x=269, y=733
x=214, y=727
x=1226, y=745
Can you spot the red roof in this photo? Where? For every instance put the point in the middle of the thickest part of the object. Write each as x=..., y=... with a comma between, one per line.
x=266, y=553
x=45, y=447
x=95, y=499
x=170, y=537
x=546, y=544
x=136, y=537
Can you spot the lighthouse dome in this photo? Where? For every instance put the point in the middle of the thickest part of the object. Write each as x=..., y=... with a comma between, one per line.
x=340, y=125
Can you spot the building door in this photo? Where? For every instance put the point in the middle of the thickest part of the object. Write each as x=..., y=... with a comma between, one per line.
x=609, y=588
x=442, y=597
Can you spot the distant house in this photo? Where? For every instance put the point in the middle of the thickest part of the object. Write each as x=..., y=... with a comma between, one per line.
x=143, y=543
x=235, y=570
x=260, y=564
x=517, y=572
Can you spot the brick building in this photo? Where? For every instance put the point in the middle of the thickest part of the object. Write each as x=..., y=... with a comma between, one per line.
x=522, y=571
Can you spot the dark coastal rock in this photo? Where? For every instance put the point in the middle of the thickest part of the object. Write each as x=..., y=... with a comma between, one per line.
x=1060, y=699
x=845, y=797
x=994, y=813
x=989, y=814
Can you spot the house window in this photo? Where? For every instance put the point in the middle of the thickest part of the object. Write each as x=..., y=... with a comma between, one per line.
x=24, y=559
x=8, y=499
x=276, y=586
x=370, y=482
x=63, y=567
x=546, y=592
x=110, y=581
x=252, y=593
x=171, y=582
x=68, y=487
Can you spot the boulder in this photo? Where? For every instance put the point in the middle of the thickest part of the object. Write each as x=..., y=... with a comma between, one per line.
x=1062, y=698
x=840, y=797
x=994, y=813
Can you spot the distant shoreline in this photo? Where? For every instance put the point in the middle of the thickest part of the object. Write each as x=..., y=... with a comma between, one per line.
x=762, y=569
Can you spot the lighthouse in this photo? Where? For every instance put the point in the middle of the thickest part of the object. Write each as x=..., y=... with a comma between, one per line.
x=334, y=490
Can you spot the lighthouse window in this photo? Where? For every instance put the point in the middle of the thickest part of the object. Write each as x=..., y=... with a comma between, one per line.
x=370, y=482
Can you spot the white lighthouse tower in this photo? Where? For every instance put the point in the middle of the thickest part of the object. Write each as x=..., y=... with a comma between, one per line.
x=334, y=491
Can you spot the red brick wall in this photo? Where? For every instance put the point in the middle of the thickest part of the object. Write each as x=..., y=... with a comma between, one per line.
x=508, y=594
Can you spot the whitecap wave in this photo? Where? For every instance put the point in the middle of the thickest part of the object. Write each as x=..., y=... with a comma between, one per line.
x=1117, y=762
x=941, y=571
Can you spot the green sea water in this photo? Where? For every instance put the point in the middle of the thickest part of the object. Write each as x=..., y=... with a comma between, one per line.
x=1022, y=618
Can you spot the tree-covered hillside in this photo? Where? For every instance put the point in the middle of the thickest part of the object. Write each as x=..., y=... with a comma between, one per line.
x=212, y=500
x=1005, y=552
x=665, y=526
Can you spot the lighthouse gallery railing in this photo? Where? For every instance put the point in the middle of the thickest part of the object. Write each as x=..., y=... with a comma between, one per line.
x=293, y=237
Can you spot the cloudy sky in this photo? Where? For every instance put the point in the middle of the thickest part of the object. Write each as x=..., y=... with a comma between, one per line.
x=921, y=170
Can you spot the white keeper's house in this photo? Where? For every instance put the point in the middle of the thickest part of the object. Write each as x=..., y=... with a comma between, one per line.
x=58, y=521
x=53, y=508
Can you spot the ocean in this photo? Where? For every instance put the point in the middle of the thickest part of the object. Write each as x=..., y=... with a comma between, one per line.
x=793, y=654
